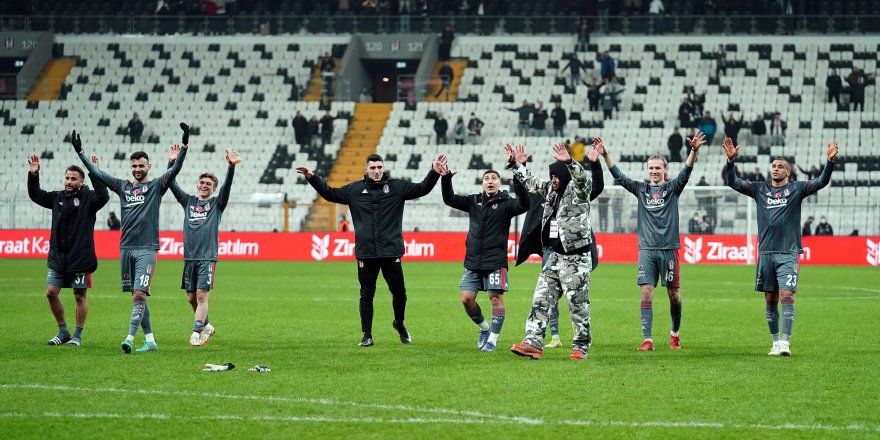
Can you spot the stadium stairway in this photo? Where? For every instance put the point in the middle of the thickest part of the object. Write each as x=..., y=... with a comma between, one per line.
x=316, y=84
x=361, y=140
x=458, y=67
x=48, y=85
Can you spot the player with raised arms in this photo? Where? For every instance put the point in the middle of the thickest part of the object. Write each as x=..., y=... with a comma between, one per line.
x=779, y=236
x=140, y=199
x=201, y=232
x=657, y=226
x=485, y=260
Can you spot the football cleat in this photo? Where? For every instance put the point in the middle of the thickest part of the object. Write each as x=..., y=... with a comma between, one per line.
x=784, y=348
x=73, y=342
x=488, y=347
x=526, y=350
x=578, y=354
x=148, y=346
x=648, y=345
x=481, y=341
x=126, y=346
x=366, y=341
x=207, y=333
x=195, y=340
x=63, y=339
x=674, y=342
x=401, y=330
x=554, y=342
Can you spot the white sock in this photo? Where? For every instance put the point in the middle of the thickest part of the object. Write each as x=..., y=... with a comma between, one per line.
x=129, y=338
x=483, y=326
x=775, y=337
x=493, y=338
x=673, y=333
x=150, y=338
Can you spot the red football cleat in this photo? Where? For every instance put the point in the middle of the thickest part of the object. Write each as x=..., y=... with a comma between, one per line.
x=674, y=342
x=648, y=345
x=526, y=350
x=578, y=355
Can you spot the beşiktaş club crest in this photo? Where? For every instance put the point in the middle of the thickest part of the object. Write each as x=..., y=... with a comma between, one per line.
x=386, y=189
x=76, y=202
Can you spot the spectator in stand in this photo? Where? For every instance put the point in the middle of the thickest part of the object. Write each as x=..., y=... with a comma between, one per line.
x=777, y=130
x=706, y=225
x=575, y=65
x=325, y=103
x=759, y=176
x=558, y=117
x=759, y=132
x=475, y=128
x=135, y=129
x=577, y=149
x=113, y=222
x=344, y=225
x=720, y=62
x=732, y=126
x=446, y=39
x=593, y=95
x=440, y=127
x=702, y=196
x=327, y=65
x=606, y=66
x=694, y=224
x=684, y=114
x=313, y=131
x=807, y=230
x=524, y=111
x=603, y=7
x=857, y=94
x=616, y=89
x=365, y=96
x=854, y=75
x=326, y=128
x=656, y=10
x=446, y=77
x=607, y=101
x=675, y=143
x=823, y=228
x=709, y=127
x=300, y=129
x=539, y=121
x=459, y=131
x=583, y=36
x=835, y=85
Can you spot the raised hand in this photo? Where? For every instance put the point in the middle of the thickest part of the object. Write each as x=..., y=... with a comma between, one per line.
x=173, y=153
x=440, y=164
x=34, y=164
x=95, y=160
x=697, y=140
x=520, y=154
x=185, y=138
x=833, y=149
x=561, y=153
x=305, y=171
x=76, y=142
x=593, y=155
x=599, y=146
x=729, y=149
x=232, y=157
x=508, y=150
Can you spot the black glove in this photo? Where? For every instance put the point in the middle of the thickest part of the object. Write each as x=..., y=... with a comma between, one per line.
x=185, y=129
x=76, y=142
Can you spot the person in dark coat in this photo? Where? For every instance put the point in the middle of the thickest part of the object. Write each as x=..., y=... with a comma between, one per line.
x=440, y=128
x=300, y=129
x=376, y=206
x=72, y=258
x=835, y=85
x=485, y=261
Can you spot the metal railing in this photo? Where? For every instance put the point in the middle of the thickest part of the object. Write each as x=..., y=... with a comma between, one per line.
x=461, y=24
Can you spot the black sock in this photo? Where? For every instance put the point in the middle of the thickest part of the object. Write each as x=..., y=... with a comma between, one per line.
x=675, y=311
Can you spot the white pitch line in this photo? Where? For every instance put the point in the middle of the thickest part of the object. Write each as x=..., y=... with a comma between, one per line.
x=317, y=401
x=455, y=421
x=476, y=417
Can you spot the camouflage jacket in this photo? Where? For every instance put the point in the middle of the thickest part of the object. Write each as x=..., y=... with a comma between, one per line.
x=573, y=215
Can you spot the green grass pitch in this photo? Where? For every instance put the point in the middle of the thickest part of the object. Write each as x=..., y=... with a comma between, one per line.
x=301, y=319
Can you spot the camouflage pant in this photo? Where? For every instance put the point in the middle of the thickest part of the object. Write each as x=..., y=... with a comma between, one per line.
x=568, y=275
